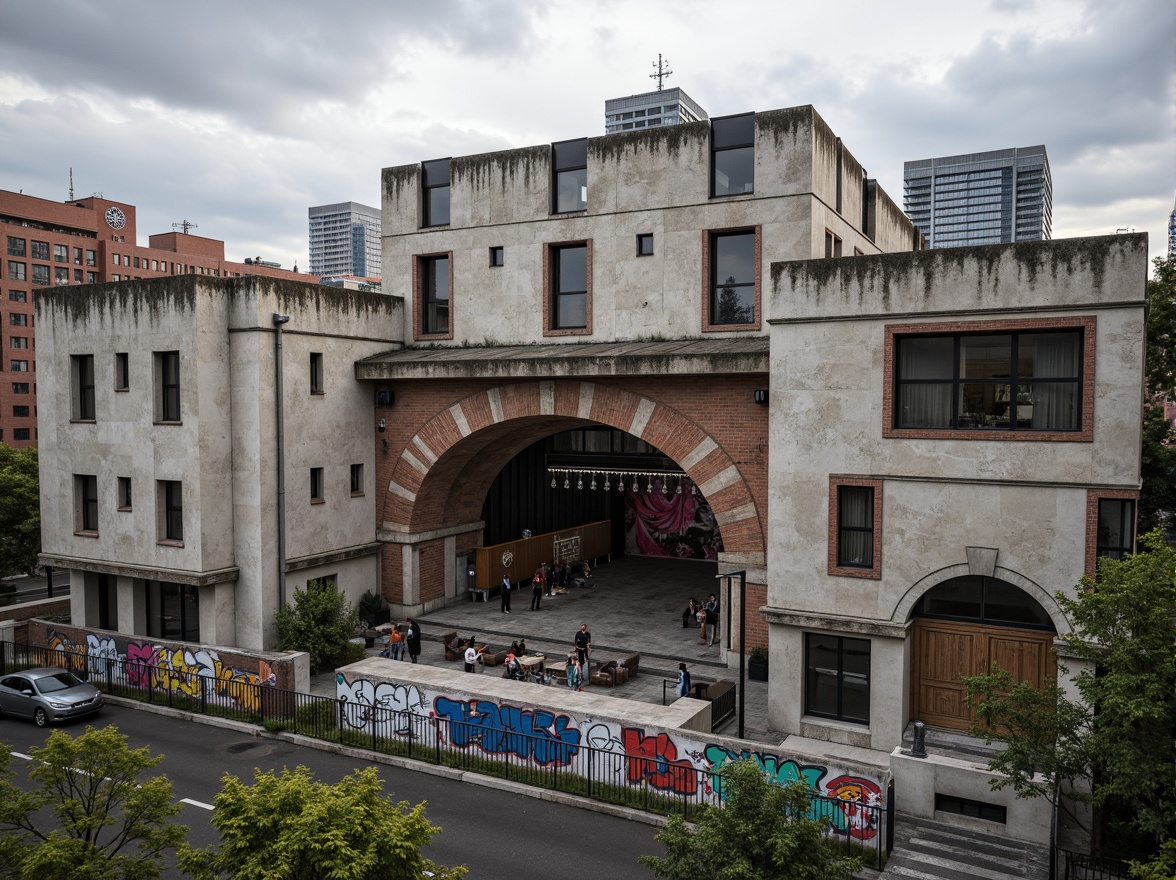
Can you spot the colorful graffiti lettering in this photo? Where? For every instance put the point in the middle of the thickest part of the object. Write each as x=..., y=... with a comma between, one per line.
x=654, y=761
x=386, y=703
x=546, y=738
x=853, y=792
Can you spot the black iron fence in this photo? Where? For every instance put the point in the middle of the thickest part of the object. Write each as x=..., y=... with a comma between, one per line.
x=1078, y=866
x=599, y=768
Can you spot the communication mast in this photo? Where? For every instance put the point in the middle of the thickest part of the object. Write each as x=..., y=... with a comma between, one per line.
x=184, y=226
x=663, y=71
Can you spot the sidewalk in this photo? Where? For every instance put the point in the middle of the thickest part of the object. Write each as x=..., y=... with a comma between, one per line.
x=634, y=604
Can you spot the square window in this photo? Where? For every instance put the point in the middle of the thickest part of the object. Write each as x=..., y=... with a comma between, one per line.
x=733, y=155
x=91, y=277
x=435, y=192
x=173, y=611
x=316, y=372
x=357, y=479
x=82, y=390
x=733, y=279
x=60, y=253
x=16, y=246
x=40, y=275
x=124, y=493
x=837, y=678
x=497, y=257
x=569, y=286
x=433, y=292
x=122, y=371
x=86, y=503
x=39, y=250
x=170, y=506
x=855, y=527
x=316, y=486
x=78, y=276
x=645, y=244
x=167, y=386
x=570, y=168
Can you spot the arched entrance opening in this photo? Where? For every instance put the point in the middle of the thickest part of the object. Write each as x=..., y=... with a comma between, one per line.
x=961, y=627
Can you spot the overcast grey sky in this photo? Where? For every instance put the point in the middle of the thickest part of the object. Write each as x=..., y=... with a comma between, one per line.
x=239, y=115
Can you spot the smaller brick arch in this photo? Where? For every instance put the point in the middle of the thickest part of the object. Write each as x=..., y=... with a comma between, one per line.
x=445, y=469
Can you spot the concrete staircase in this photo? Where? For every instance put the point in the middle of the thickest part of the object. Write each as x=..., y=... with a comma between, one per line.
x=926, y=850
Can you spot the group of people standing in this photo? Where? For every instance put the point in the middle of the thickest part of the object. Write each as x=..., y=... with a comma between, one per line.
x=707, y=618
x=408, y=641
x=546, y=581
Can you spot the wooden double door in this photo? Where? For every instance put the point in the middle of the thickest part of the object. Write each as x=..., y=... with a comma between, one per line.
x=945, y=651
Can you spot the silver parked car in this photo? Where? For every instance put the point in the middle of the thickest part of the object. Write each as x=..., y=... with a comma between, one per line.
x=47, y=695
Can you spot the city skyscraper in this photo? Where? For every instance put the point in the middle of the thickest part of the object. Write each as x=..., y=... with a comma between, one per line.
x=997, y=197
x=345, y=240
x=650, y=110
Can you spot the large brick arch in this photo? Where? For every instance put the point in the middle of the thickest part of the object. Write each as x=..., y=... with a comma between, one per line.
x=446, y=468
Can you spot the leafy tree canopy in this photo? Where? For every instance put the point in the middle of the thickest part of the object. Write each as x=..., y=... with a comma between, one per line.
x=93, y=816
x=288, y=826
x=1161, y=330
x=20, y=511
x=762, y=832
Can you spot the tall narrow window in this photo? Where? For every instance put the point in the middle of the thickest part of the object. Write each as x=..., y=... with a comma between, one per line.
x=82, y=392
x=1116, y=527
x=357, y=479
x=122, y=371
x=167, y=386
x=570, y=167
x=316, y=485
x=316, y=372
x=86, y=490
x=855, y=526
x=732, y=278
x=124, y=493
x=733, y=155
x=435, y=189
x=837, y=678
x=569, y=276
x=170, y=503
x=434, y=294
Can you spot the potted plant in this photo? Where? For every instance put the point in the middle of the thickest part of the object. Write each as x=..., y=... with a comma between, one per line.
x=757, y=663
x=373, y=609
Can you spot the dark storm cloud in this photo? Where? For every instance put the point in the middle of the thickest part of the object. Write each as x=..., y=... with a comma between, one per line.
x=261, y=63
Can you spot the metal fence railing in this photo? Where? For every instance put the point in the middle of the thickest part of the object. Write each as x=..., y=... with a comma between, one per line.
x=520, y=749
x=1078, y=866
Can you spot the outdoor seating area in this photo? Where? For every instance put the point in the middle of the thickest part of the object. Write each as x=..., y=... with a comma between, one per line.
x=611, y=673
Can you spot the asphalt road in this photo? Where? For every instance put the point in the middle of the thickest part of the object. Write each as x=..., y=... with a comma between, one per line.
x=497, y=835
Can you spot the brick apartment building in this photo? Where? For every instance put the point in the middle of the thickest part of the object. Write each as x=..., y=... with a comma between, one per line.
x=81, y=241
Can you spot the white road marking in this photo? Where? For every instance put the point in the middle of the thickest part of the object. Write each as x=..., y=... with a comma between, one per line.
x=23, y=757
x=196, y=803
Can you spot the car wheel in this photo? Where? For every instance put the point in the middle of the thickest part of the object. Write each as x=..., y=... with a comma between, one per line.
x=40, y=717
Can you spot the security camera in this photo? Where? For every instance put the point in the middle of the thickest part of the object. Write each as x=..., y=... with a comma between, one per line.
x=381, y=426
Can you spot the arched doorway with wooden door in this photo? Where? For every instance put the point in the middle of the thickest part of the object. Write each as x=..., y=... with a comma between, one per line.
x=960, y=627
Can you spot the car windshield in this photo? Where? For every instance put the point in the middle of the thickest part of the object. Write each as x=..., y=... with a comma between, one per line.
x=58, y=682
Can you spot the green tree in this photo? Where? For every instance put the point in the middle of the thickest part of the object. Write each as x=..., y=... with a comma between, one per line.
x=291, y=827
x=1113, y=748
x=1161, y=330
x=20, y=511
x=93, y=815
x=320, y=622
x=1157, y=496
x=731, y=310
x=1157, y=493
x=762, y=832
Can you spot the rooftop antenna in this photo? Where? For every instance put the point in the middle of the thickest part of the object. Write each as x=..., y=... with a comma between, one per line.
x=71, y=183
x=184, y=226
x=663, y=71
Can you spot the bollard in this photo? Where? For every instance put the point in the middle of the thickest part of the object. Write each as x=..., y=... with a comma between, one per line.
x=919, y=749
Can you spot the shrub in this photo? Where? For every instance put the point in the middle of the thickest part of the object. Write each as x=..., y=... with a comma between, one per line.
x=320, y=622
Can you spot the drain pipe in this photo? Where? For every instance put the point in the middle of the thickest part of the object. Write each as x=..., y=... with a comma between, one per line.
x=279, y=320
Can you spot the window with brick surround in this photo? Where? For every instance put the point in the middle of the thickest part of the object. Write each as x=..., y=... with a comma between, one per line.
x=731, y=279
x=1023, y=380
x=567, y=288
x=1110, y=524
x=855, y=527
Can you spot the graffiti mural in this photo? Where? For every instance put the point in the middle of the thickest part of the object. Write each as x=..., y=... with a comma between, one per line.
x=188, y=671
x=666, y=522
x=667, y=761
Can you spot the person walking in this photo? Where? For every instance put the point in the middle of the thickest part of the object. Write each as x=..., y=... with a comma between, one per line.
x=537, y=588
x=712, y=620
x=683, y=681
x=572, y=671
x=505, y=593
x=412, y=639
x=583, y=648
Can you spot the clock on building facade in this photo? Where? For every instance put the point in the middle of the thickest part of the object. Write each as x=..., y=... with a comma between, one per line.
x=115, y=218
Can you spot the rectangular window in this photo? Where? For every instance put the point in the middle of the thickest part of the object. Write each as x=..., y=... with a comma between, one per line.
x=82, y=392
x=91, y=277
x=1018, y=381
x=316, y=372
x=837, y=678
x=569, y=162
x=91, y=258
x=316, y=486
x=569, y=285
x=434, y=295
x=1116, y=527
x=497, y=257
x=20, y=387
x=86, y=502
x=40, y=275
x=733, y=155
x=173, y=611
x=20, y=434
x=19, y=366
x=733, y=260
x=832, y=245
x=645, y=244
x=18, y=295
x=124, y=493
x=77, y=276
x=60, y=253
x=155, y=265
x=18, y=342
x=855, y=527
x=170, y=506
x=61, y=275
x=167, y=386
x=16, y=271
x=39, y=250
x=77, y=256
x=17, y=319
x=122, y=371
x=357, y=479
x=435, y=189
x=16, y=247
x=20, y=412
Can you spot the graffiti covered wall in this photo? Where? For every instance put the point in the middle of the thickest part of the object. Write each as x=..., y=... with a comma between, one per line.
x=190, y=670
x=621, y=753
